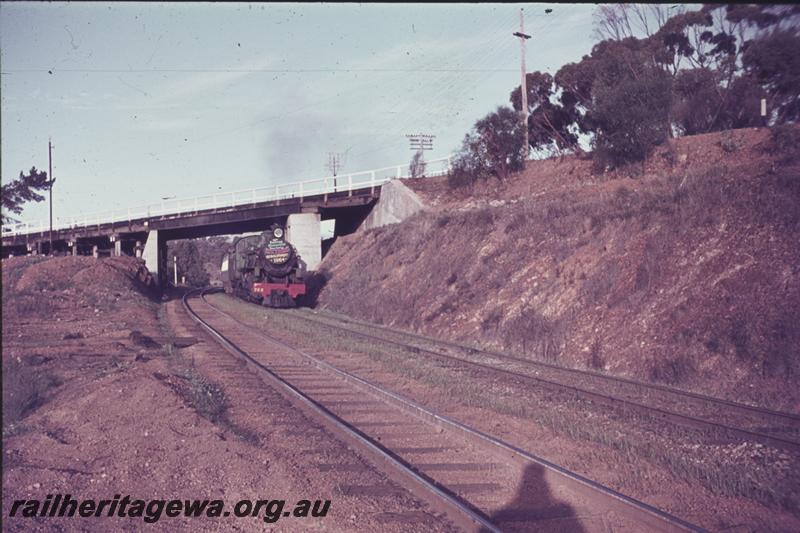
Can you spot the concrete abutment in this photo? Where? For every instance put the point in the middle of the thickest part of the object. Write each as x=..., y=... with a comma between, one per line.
x=303, y=231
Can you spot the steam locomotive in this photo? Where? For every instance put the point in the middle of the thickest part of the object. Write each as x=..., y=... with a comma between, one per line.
x=265, y=269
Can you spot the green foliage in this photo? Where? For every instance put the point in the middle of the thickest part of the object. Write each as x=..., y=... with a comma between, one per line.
x=696, y=102
x=554, y=117
x=785, y=137
x=190, y=262
x=659, y=73
x=464, y=170
x=23, y=189
x=211, y=249
x=631, y=102
x=774, y=63
x=494, y=147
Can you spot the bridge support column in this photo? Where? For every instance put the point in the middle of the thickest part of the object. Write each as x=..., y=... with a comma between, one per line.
x=155, y=256
x=303, y=231
x=117, y=247
x=94, y=251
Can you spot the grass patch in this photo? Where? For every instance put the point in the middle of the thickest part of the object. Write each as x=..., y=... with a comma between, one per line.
x=205, y=396
x=25, y=387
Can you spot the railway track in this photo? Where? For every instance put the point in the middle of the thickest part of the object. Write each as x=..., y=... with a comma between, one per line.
x=724, y=419
x=482, y=483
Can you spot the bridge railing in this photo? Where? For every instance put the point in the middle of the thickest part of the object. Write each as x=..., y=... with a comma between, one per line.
x=228, y=200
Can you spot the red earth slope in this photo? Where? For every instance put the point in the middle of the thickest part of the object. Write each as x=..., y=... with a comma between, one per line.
x=683, y=270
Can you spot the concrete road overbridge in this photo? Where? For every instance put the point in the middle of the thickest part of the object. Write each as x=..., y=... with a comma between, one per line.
x=145, y=231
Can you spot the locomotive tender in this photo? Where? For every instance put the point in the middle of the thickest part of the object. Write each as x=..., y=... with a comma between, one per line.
x=265, y=269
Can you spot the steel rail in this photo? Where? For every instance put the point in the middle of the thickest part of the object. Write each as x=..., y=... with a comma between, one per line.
x=531, y=362
x=677, y=418
x=461, y=513
x=653, y=518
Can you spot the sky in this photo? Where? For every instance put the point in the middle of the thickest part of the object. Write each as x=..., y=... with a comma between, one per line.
x=145, y=101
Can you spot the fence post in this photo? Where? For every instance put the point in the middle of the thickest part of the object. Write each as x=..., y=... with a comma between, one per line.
x=372, y=182
x=325, y=188
x=301, y=192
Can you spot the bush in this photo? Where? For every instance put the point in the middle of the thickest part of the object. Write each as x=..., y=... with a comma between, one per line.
x=416, y=169
x=785, y=138
x=24, y=388
x=632, y=117
x=461, y=175
x=190, y=262
x=494, y=147
x=540, y=337
x=728, y=142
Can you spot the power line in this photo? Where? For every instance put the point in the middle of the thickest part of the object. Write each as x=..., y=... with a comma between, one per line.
x=398, y=91
x=245, y=71
x=444, y=83
x=489, y=54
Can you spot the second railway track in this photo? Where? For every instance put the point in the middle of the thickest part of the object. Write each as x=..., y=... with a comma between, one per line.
x=482, y=483
x=732, y=420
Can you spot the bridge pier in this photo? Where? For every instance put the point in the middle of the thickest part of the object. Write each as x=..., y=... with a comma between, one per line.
x=303, y=231
x=155, y=256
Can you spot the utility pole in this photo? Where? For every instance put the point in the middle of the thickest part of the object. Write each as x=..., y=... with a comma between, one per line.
x=51, y=181
x=524, y=87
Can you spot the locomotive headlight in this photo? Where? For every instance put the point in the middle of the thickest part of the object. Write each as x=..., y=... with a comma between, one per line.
x=277, y=233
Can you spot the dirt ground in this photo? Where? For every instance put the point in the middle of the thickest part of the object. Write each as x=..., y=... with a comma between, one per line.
x=684, y=270
x=93, y=406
